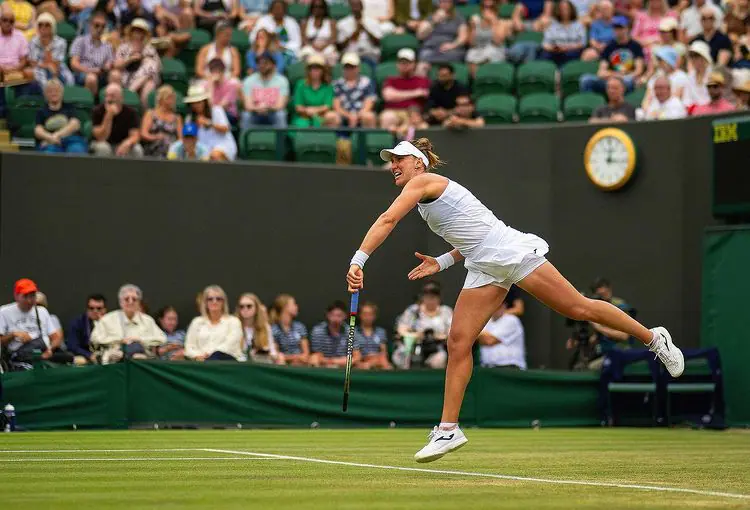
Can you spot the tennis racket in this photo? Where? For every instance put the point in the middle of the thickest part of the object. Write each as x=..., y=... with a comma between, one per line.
x=350, y=347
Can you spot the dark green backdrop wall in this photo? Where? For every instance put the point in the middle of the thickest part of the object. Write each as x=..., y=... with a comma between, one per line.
x=80, y=225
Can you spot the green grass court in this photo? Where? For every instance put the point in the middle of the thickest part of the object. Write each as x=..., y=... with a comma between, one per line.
x=214, y=469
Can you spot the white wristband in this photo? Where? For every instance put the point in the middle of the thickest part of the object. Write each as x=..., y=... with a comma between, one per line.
x=445, y=261
x=359, y=259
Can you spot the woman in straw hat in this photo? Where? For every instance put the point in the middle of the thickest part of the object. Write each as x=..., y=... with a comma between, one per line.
x=214, y=130
x=47, y=52
x=700, y=65
x=742, y=94
x=138, y=61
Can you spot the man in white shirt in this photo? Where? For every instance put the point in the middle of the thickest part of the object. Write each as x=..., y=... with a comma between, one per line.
x=502, y=343
x=359, y=33
x=26, y=327
x=690, y=19
x=663, y=105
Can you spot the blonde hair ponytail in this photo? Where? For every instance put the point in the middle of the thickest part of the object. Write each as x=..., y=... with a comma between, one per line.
x=425, y=145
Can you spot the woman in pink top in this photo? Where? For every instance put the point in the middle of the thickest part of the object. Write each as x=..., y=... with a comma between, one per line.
x=646, y=24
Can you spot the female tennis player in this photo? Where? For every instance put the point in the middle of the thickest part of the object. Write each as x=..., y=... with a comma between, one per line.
x=496, y=257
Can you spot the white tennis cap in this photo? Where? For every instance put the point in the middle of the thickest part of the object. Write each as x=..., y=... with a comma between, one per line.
x=404, y=149
x=406, y=54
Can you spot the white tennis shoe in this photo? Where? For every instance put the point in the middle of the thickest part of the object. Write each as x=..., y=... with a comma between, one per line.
x=441, y=442
x=667, y=352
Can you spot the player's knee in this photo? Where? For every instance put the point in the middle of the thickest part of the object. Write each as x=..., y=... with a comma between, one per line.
x=459, y=344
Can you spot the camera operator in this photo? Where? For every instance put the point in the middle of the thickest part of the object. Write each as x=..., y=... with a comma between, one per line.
x=589, y=341
x=427, y=323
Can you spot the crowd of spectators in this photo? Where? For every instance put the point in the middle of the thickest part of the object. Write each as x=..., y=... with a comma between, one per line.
x=248, y=331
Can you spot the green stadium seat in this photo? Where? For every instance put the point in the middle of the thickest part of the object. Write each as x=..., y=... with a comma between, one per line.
x=22, y=116
x=337, y=71
x=374, y=142
x=66, y=31
x=535, y=77
x=529, y=36
x=494, y=78
x=78, y=97
x=315, y=147
x=383, y=71
x=174, y=73
x=129, y=98
x=539, y=108
x=460, y=69
x=241, y=41
x=579, y=107
x=294, y=73
x=181, y=106
x=571, y=72
x=198, y=38
x=506, y=10
x=467, y=11
x=258, y=145
x=339, y=11
x=497, y=108
x=390, y=44
x=636, y=97
x=298, y=11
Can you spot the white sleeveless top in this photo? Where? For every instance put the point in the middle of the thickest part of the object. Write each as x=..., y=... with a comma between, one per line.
x=226, y=57
x=461, y=219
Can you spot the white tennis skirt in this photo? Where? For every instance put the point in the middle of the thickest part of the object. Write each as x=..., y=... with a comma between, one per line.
x=504, y=259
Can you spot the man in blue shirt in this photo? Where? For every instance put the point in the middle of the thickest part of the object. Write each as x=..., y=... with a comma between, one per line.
x=188, y=147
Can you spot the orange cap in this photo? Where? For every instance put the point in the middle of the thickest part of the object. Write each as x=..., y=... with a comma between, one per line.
x=24, y=286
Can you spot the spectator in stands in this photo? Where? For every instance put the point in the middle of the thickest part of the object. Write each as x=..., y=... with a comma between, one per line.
x=116, y=126
x=444, y=36
x=328, y=339
x=565, y=37
x=265, y=96
x=514, y=302
x=26, y=327
x=403, y=91
x=188, y=147
x=690, y=19
x=663, y=104
x=210, y=12
x=265, y=42
x=224, y=91
x=288, y=334
x=408, y=15
x=721, y=46
x=90, y=57
x=57, y=128
x=127, y=332
x=78, y=339
x=622, y=58
x=285, y=28
x=258, y=337
x=48, y=53
x=666, y=65
x=354, y=95
x=382, y=12
x=173, y=18
x=131, y=11
x=464, y=116
x=14, y=53
x=443, y=94
x=248, y=12
x=742, y=95
x=137, y=64
x=162, y=125
x=670, y=38
x=532, y=15
x=79, y=13
x=406, y=127
x=25, y=15
x=360, y=34
x=737, y=19
x=646, y=23
x=373, y=345
x=222, y=49
x=41, y=300
x=313, y=96
x=502, y=341
x=742, y=51
x=49, y=6
x=601, y=32
x=486, y=37
x=699, y=70
x=215, y=335
x=426, y=322
x=214, y=130
x=174, y=348
x=319, y=34
x=616, y=109
x=718, y=103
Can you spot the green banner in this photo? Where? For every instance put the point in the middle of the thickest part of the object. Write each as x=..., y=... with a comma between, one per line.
x=224, y=393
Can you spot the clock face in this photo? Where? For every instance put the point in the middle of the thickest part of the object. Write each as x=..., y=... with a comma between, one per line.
x=610, y=159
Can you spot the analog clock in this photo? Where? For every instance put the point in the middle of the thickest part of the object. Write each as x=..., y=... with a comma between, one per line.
x=610, y=159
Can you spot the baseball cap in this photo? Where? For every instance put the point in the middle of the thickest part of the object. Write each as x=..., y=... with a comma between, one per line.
x=404, y=149
x=619, y=21
x=24, y=286
x=716, y=78
x=350, y=59
x=406, y=54
x=190, y=129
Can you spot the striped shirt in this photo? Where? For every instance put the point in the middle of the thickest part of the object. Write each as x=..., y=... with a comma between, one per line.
x=572, y=33
x=289, y=342
x=371, y=344
x=91, y=53
x=328, y=345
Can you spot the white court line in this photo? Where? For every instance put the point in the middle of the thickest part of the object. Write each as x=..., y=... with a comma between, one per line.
x=134, y=459
x=490, y=475
x=109, y=451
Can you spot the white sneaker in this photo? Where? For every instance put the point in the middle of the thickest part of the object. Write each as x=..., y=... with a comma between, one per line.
x=667, y=352
x=439, y=443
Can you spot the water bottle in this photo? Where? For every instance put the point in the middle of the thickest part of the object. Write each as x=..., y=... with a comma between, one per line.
x=10, y=418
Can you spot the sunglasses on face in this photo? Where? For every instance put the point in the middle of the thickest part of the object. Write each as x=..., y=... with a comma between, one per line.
x=710, y=18
x=214, y=298
x=247, y=307
x=130, y=299
x=97, y=25
x=713, y=85
x=8, y=20
x=96, y=308
x=44, y=24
